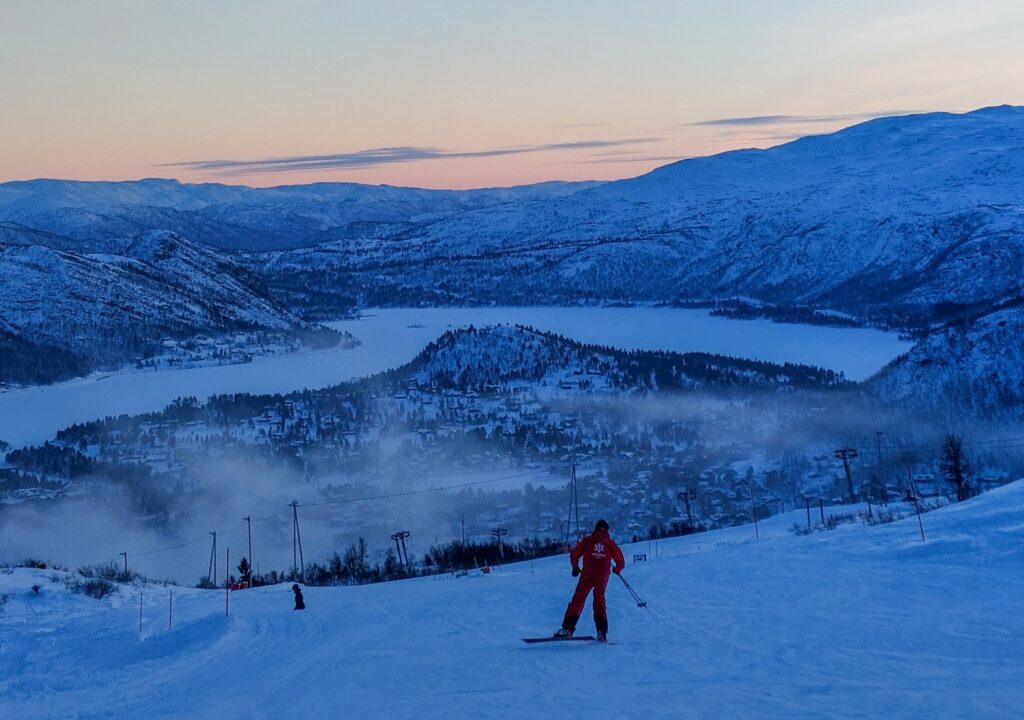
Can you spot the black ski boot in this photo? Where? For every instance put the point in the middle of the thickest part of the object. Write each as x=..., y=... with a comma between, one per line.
x=568, y=627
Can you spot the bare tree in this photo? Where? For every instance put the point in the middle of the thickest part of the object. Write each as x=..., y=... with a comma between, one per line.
x=954, y=465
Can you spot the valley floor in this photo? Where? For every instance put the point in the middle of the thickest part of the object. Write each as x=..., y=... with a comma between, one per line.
x=858, y=622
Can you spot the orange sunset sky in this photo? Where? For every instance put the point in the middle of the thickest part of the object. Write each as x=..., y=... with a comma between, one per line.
x=469, y=94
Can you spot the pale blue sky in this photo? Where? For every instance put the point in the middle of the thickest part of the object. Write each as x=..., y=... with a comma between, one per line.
x=462, y=94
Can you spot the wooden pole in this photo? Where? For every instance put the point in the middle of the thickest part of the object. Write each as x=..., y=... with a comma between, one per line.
x=846, y=454
x=295, y=548
x=227, y=580
x=753, y=512
x=248, y=521
x=297, y=540
x=170, y=609
x=576, y=499
x=881, y=475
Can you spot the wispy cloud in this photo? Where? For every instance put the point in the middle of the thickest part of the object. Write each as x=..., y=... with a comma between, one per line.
x=635, y=159
x=576, y=126
x=762, y=120
x=386, y=156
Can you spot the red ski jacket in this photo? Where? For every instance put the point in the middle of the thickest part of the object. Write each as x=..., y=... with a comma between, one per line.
x=598, y=550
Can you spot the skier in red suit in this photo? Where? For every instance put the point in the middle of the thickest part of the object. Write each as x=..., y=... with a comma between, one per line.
x=598, y=552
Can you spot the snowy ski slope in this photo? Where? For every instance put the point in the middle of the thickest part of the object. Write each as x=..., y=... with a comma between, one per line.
x=859, y=622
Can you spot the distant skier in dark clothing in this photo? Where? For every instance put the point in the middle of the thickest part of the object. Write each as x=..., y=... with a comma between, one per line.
x=598, y=551
x=300, y=604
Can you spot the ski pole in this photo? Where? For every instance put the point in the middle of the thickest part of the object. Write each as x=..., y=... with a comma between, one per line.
x=636, y=596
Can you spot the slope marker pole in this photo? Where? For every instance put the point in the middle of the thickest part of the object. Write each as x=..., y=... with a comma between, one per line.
x=917, y=503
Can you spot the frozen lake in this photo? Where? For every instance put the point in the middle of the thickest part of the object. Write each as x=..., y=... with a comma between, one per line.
x=392, y=337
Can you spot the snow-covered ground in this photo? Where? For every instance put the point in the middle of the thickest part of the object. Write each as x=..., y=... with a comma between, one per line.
x=392, y=337
x=858, y=622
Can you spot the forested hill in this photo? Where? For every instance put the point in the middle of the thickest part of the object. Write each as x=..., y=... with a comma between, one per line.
x=475, y=358
x=972, y=369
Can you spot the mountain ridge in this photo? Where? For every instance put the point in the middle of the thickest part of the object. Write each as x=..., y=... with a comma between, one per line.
x=101, y=309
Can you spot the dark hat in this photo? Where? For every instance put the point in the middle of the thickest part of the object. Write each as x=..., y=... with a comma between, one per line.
x=295, y=586
x=601, y=525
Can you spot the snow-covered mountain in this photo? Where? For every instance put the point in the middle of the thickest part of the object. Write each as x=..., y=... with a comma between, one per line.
x=913, y=214
x=88, y=216
x=974, y=369
x=916, y=219
x=102, y=308
x=918, y=215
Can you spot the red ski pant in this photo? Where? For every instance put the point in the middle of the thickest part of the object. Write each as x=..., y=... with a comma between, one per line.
x=579, y=599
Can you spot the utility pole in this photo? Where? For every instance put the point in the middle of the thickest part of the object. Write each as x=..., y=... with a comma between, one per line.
x=846, y=454
x=881, y=475
x=686, y=496
x=398, y=548
x=498, y=534
x=211, y=573
x=402, y=536
x=297, y=542
x=463, y=529
x=576, y=499
x=753, y=511
x=125, y=556
x=574, y=504
x=399, y=537
x=227, y=580
x=248, y=522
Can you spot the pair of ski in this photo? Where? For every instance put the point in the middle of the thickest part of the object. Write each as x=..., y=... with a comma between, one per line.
x=552, y=638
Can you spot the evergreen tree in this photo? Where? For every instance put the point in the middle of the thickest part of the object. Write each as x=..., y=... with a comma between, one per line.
x=245, y=571
x=954, y=465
